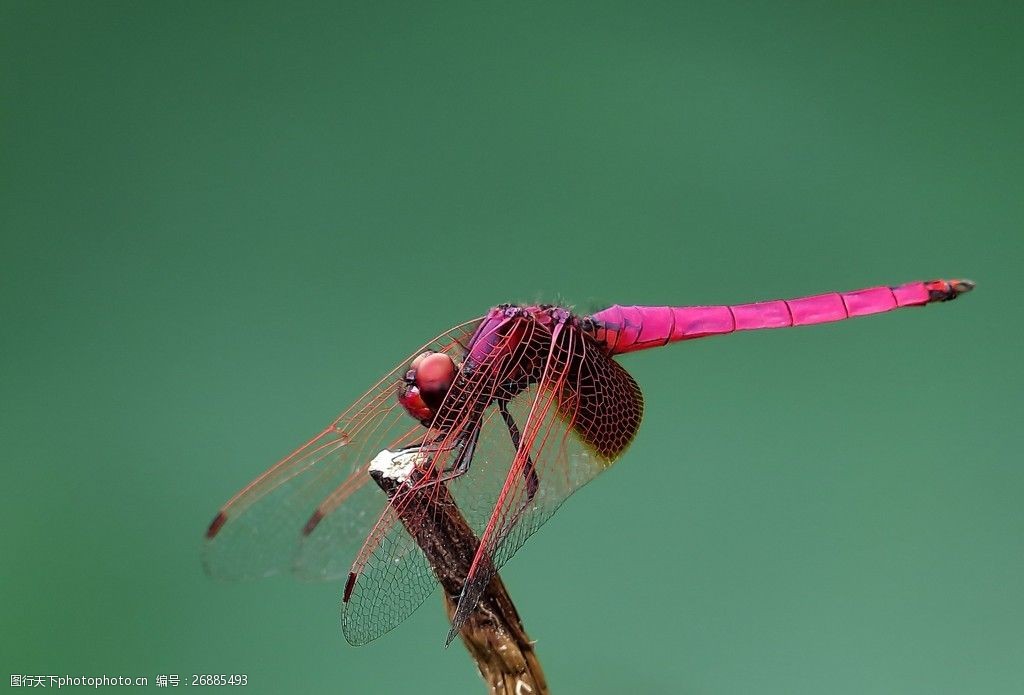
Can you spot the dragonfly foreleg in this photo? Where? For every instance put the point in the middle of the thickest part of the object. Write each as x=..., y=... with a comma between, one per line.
x=529, y=472
x=464, y=458
x=424, y=454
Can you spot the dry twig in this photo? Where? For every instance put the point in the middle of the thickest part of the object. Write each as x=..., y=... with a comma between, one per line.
x=493, y=633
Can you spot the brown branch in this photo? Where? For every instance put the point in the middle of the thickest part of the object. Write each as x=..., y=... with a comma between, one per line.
x=493, y=633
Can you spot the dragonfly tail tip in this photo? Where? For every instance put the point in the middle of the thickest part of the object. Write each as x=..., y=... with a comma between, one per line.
x=963, y=285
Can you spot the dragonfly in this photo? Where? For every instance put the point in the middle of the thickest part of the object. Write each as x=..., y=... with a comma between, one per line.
x=509, y=414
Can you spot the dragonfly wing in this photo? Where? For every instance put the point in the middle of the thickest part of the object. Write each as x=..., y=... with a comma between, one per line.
x=395, y=580
x=582, y=416
x=391, y=576
x=305, y=511
x=396, y=577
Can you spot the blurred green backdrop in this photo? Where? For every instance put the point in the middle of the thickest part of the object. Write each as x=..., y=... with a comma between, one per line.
x=221, y=221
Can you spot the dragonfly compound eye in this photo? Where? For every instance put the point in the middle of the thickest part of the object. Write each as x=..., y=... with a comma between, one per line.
x=434, y=376
x=429, y=377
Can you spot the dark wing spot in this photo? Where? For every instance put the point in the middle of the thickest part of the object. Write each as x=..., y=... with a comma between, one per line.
x=312, y=523
x=348, y=587
x=215, y=525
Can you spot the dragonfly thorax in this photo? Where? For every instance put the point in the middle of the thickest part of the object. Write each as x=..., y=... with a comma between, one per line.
x=426, y=382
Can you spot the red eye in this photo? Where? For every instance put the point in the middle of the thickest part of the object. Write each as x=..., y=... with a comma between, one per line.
x=419, y=359
x=409, y=397
x=429, y=377
x=434, y=376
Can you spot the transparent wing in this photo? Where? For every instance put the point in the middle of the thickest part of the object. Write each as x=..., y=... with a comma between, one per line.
x=391, y=577
x=311, y=510
x=582, y=417
x=569, y=428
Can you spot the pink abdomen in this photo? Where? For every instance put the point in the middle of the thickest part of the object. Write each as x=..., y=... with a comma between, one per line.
x=629, y=328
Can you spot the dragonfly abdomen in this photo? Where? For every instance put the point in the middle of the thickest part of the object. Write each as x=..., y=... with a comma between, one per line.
x=629, y=328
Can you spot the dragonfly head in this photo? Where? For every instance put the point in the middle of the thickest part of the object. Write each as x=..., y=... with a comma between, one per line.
x=425, y=385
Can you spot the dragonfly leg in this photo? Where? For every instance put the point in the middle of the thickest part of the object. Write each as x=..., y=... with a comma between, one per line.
x=461, y=464
x=464, y=458
x=529, y=472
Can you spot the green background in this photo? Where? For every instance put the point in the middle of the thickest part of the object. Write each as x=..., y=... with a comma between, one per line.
x=222, y=221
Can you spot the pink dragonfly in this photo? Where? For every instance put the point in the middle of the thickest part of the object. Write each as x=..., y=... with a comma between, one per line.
x=511, y=413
